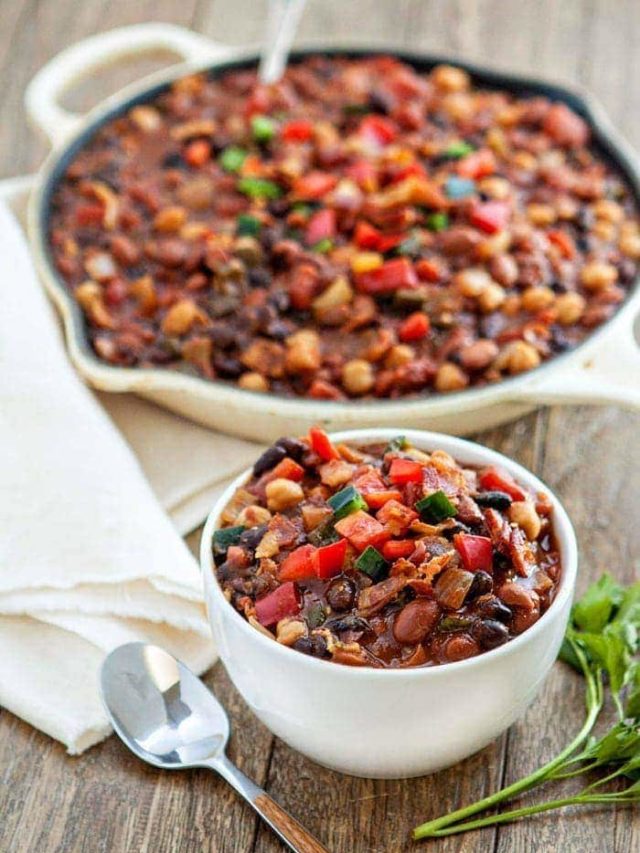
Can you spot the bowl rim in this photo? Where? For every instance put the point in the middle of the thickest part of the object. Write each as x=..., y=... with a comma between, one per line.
x=563, y=528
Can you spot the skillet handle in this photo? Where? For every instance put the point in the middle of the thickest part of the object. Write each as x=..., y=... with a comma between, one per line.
x=608, y=373
x=101, y=51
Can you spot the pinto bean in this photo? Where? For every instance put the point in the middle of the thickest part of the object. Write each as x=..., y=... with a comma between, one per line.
x=415, y=621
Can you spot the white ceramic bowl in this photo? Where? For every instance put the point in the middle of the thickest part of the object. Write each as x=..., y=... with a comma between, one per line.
x=392, y=723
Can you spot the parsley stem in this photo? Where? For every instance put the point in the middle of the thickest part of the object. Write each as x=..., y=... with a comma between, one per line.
x=594, y=704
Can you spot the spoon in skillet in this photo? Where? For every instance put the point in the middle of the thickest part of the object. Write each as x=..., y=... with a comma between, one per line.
x=283, y=17
x=168, y=718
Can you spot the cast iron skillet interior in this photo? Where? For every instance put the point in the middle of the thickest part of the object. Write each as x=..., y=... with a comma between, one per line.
x=519, y=85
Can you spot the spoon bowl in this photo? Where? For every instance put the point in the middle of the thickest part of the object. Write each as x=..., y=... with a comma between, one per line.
x=168, y=718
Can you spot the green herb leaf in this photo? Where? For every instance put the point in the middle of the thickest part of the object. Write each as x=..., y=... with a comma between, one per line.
x=596, y=606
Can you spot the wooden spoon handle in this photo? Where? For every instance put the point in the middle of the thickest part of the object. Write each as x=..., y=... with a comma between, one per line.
x=285, y=826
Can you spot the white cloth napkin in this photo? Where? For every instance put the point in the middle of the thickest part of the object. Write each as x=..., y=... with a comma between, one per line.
x=88, y=557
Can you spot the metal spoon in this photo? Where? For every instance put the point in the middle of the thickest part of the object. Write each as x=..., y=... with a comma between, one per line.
x=168, y=718
x=283, y=18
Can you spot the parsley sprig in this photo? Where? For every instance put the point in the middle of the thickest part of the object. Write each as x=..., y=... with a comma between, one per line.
x=601, y=643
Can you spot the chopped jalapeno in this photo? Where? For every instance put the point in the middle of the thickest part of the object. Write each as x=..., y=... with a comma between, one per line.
x=259, y=188
x=437, y=221
x=435, y=507
x=323, y=246
x=263, y=129
x=372, y=563
x=454, y=623
x=248, y=226
x=345, y=502
x=232, y=158
x=225, y=537
x=397, y=443
x=457, y=150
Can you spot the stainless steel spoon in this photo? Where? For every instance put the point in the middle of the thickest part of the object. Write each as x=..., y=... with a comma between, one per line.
x=168, y=718
x=283, y=17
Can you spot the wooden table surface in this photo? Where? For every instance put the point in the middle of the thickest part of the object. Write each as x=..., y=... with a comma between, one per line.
x=106, y=800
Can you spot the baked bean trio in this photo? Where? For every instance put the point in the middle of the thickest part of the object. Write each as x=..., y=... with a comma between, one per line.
x=384, y=555
x=357, y=230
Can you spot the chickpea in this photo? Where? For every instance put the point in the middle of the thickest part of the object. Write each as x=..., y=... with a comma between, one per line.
x=498, y=188
x=570, y=307
x=450, y=377
x=566, y=208
x=629, y=244
x=450, y=79
x=290, y=630
x=303, y=351
x=472, y=282
x=511, y=305
x=170, y=219
x=358, y=376
x=282, y=494
x=504, y=269
x=146, y=118
x=608, y=210
x=88, y=292
x=604, y=230
x=598, y=275
x=253, y=516
x=478, y=355
x=523, y=513
x=495, y=245
x=519, y=357
x=491, y=298
x=541, y=214
x=248, y=249
x=398, y=355
x=253, y=381
x=180, y=318
x=459, y=106
x=497, y=142
x=525, y=161
x=537, y=298
x=338, y=293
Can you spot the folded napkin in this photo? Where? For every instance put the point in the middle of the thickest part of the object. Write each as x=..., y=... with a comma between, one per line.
x=89, y=558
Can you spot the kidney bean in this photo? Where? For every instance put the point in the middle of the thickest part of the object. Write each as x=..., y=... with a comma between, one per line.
x=459, y=647
x=415, y=621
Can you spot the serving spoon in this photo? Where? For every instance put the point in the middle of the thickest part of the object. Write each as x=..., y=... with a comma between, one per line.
x=283, y=17
x=168, y=718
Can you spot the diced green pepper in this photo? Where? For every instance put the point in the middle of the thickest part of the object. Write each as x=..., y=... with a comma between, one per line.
x=454, y=623
x=323, y=246
x=225, y=537
x=324, y=534
x=435, y=507
x=232, y=158
x=457, y=150
x=345, y=502
x=315, y=615
x=437, y=221
x=247, y=226
x=259, y=188
x=263, y=128
x=397, y=443
x=372, y=563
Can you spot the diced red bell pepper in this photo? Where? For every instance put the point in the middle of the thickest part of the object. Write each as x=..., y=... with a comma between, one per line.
x=367, y=236
x=392, y=275
x=477, y=165
x=374, y=491
x=564, y=242
x=415, y=327
x=298, y=565
x=303, y=286
x=287, y=469
x=321, y=444
x=396, y=517
x=361, y=529
x=329, y=560
x=89, y=214
x=405, y=471
x=490, y=216
x=282, y=602
x=493, y=479
x=364, y=173
x=321, y=226
x=198, y=152
x=298, y=130
x=412, y=170
x=429, y=270
x=379, y=129
x=394, y=549
x=476, y=552
x=314, y=185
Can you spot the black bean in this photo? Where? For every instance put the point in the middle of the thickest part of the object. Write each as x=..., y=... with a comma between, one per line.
x=295, y=448
x=493, y=608
x=314, y=645
x=490, y=633
x=269, y=459
x=173, y=160
x=350, y=622
x=259, y=277
x=341, y=594
x=222, y=335
x=230, y=368
x=481, y=584
x=380, y=102
x=494, y=500
x=251, y=538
